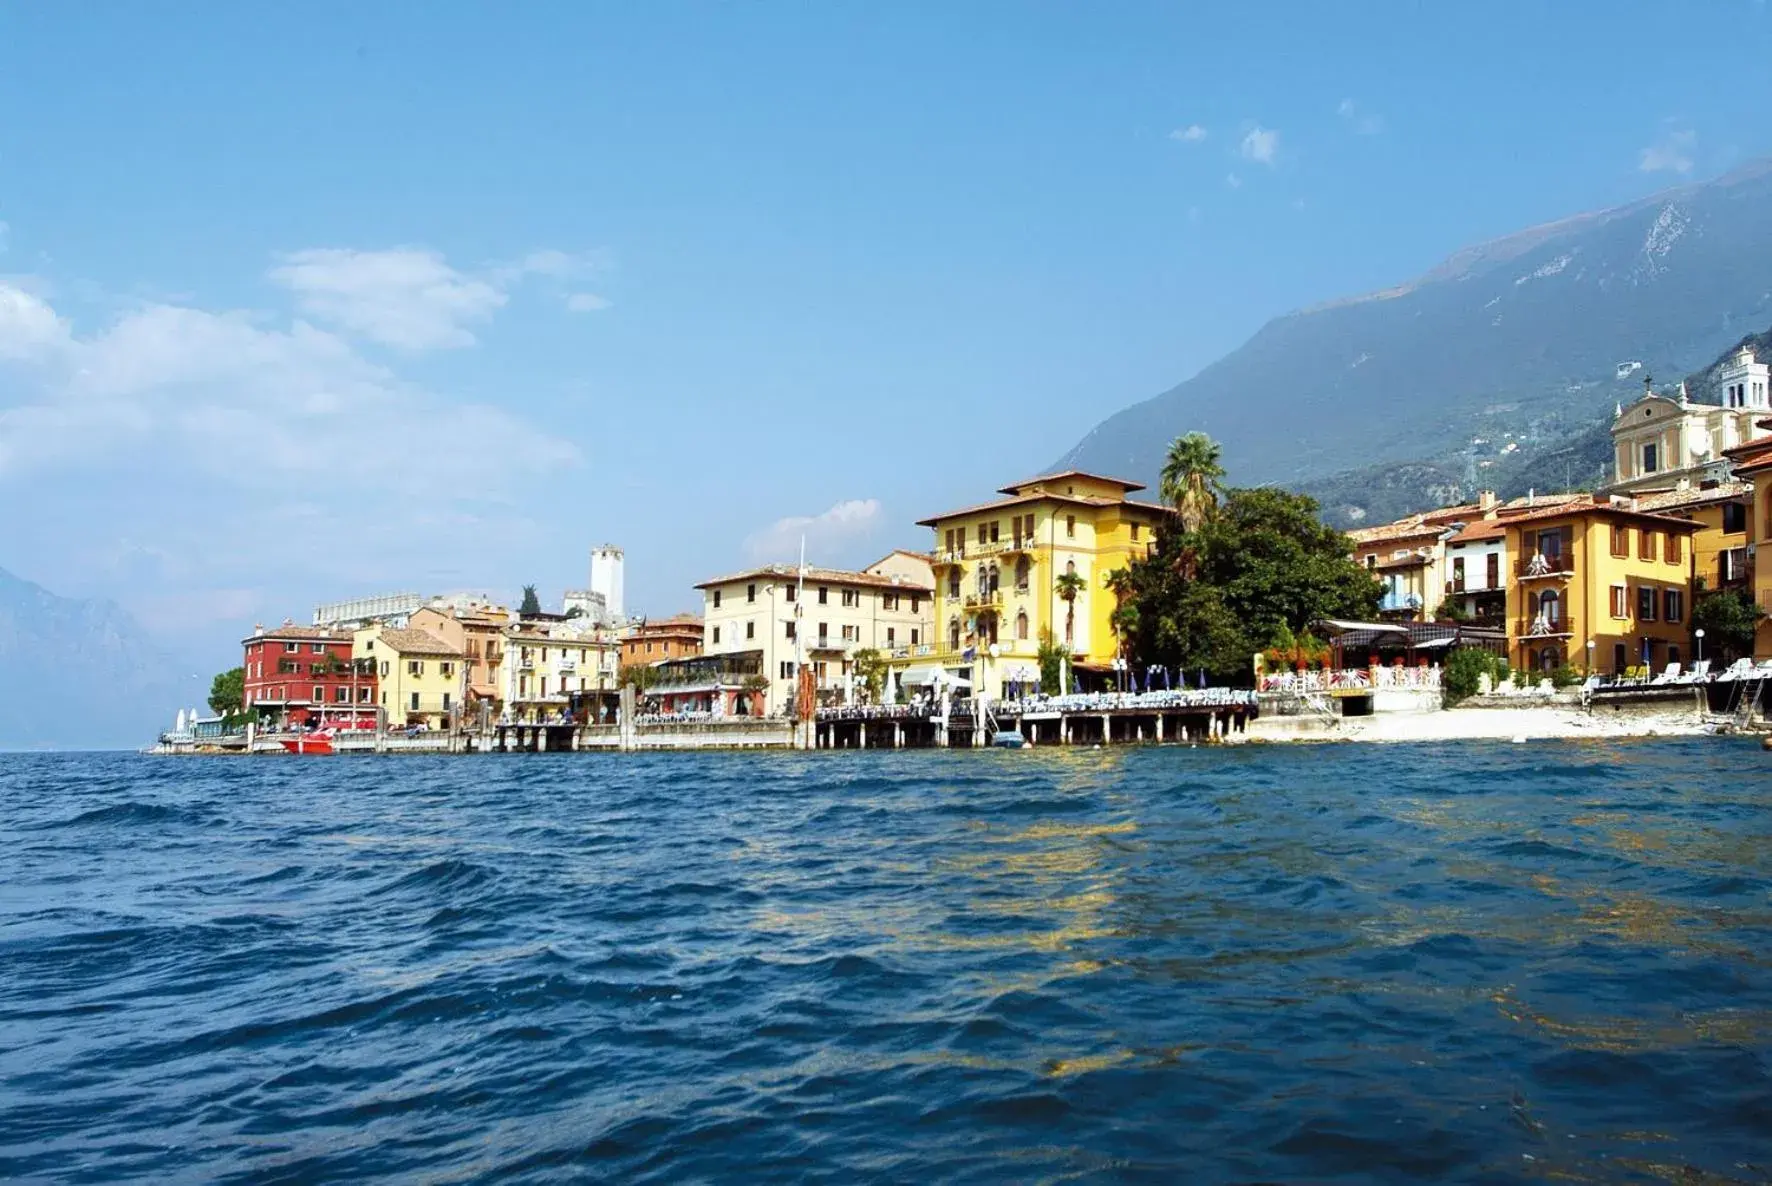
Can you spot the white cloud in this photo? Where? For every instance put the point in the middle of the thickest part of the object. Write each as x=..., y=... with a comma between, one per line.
x=848, y=521
x=1192, y=134
x=1232, y=180
x=1671, y=152
x=587, y=302
x=29, y=328
x=1363, y=122
x=406, y=297
x=1260, y=145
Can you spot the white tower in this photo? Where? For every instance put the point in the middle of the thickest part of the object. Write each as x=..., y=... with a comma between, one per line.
x=606, y=562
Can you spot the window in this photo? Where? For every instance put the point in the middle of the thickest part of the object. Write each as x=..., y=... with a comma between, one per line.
x=1672, y=551
x=916, y=603
x=824, y=595
x=1022, y=570
x=983, y=536
x=915, y=636
x=1734, y=517
x=319, y=696
x=1732, y=565
x=290, y=648
x=1070, y=526
x=750, y=631
x=362, y=695
x=1458, y=574
x=1645, y=604
x=316, y=648
x=954, y=581
x=1135, y=528
x=1673, y=606
x=950, y=540
x=414, y=667
x=953, y=634
x=384, y=699
x=995, y=525
x=412, y=703
x=1645, y=544
x=1021, y=624
x=1620, y=540
x=852, y=633
x=1673, y=654
x=888, y=601
x=384, y=669
x=1649, y=459
x=891, y=636
x=1620, y=601
x=1371, y=561
x=716, y=599
x=750, y=593
x=787, y=669
x=716, y=635
x=851, y=598
x=446, y=702
x=792, y=633
x=448, y=669
x=824, y=632
x=791, y=591
x=1620, y=658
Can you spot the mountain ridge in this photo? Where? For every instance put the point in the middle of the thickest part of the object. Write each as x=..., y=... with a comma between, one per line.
x=1503, y=351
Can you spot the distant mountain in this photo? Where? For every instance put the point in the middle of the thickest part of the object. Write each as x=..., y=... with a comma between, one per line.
x=1492, y=369
x=82, y=674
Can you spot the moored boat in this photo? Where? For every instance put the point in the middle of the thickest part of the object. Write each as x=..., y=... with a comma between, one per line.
x=309, y=743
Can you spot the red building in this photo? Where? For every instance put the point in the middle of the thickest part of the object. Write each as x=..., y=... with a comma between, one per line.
x=303, y=675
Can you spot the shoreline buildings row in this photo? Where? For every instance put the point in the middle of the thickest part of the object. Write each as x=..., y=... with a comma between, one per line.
x=1601, y=582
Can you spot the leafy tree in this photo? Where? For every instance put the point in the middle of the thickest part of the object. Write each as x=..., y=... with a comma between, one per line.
x=1260, y=563
x=641, y=675
x=1728, y=619
x=1465, y=668
x=531, y=603
x=1052, y=656
x=227, y=692
x=870, y=669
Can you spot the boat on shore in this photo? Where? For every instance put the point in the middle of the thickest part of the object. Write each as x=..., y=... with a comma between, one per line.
x=309, y=743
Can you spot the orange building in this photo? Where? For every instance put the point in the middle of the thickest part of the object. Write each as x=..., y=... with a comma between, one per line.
x=676, y=637
x=1753, y=464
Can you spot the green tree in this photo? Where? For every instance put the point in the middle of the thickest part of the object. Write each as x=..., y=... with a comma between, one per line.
x=640, y=675
x=1067, y=586
x=1190, y=479
x=531, y=603
x=227, y=693
x=870, y=669
x=1465, y=668
x=1260, y=565
x=1052, y=656
x=1728, y=619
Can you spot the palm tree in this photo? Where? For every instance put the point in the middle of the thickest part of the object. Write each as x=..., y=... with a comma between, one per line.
x=1191, y=473
x=1068, y=586
x=1124, y=619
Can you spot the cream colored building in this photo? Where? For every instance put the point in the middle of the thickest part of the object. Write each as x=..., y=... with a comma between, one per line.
x=421, y=678
x=477, y=631
x=1664, y=442
x=888, y=605
x=545, y=666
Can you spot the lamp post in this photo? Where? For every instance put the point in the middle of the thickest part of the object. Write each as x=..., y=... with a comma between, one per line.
x=1590, y=656
x=1699, y=635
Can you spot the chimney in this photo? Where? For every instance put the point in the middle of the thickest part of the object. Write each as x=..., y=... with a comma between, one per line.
x=258, y=629
x=1487, y=502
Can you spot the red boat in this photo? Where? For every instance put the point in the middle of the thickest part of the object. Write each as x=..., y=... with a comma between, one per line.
x=309, y=743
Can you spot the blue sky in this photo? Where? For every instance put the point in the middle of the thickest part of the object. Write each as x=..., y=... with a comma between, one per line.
x=334, y=299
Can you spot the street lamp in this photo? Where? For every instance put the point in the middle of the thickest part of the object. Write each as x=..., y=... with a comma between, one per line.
x=1590, y=656
x=1699, y=635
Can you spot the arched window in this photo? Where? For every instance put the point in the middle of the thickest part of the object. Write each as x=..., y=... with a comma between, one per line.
x=1549, y=659
x=953, y=580
x=1550, y=607
x=953, y=634
x=1021, y=625
x=983, y=579
x=994, y=579
x=1070, y=566
x=1022, y=568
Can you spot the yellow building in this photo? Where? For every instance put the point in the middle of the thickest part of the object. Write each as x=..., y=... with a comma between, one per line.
x=1598, y=586
x=477, y=631
x=999, y=569
x=545, y=668
x=1753, y=464
x=421, y=679
x=1719, y=548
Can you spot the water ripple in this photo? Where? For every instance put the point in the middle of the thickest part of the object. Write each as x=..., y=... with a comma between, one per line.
x=1456, y=963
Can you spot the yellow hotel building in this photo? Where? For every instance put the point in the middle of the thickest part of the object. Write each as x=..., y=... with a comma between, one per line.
x=1600, y=587
x=997, y=567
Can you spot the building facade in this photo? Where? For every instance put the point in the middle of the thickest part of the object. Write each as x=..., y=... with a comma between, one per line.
x=885, y=607
x=1599, y=587
x=1034, y=563
x=1753, y=465
x=392, y=609
x=657, y=639
x=548, y=670
x=421, y=679
x=302, y=676
x=1661, y=442
x=1476, y=572
x=607, y=564
x=477, y=632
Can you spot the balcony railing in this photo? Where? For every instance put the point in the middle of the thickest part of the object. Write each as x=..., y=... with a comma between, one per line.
x=989, y=600
x=1550, y=564
x=1396, y=602
x=1543, y=626
x=825, y=642
x=920, y=651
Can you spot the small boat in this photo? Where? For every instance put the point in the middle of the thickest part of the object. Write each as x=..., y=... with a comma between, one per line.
x=1008, y=740
x=309, y=743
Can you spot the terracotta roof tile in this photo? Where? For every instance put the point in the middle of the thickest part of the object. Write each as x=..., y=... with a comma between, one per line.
x=826, y=576
x=417, y=642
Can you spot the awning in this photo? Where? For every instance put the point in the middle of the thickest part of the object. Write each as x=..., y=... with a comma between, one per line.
x=920, y=675
x=483, y=691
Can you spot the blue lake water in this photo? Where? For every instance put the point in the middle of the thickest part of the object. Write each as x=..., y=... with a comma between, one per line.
x=1463, y=962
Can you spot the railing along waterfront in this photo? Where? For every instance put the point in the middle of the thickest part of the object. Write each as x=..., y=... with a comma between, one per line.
x=1351, y=678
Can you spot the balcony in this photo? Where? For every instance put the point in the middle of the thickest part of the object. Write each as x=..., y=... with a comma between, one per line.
x=828, y=644
x=920, y=651
x=1545, y=566
x=991, y=600
x=1544, y=626
x=1394, y=602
